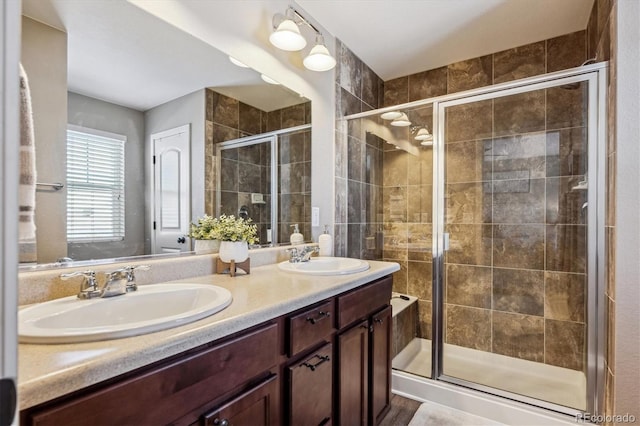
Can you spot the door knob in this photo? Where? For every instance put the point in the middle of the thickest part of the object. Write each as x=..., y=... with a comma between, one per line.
x=182, y=240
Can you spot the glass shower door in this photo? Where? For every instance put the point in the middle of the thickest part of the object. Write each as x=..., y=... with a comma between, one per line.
x=513, y=219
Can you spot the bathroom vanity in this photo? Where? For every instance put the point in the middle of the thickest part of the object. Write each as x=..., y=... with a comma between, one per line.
x=290, y=349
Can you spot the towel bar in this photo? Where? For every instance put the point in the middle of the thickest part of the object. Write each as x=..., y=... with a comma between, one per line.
x=56, y=185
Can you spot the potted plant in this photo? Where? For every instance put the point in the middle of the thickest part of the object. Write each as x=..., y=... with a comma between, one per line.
x=234, y=234
x=202, y=233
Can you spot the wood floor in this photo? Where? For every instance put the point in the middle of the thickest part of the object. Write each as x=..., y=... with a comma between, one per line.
x=401, y=412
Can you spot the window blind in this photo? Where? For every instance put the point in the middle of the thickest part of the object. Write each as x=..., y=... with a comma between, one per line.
x=95, y=185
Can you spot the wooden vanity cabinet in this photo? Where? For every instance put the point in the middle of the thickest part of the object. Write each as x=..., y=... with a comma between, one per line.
x=177, y=391
x=325, y=364
x=364, y=354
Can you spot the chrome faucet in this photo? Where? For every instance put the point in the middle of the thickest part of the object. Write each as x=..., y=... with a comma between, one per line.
x=117, y=282
x=88, y=286
x=297, y=255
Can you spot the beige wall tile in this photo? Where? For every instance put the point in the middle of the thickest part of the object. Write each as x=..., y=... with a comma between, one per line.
x=565, y=296
x=564, y=344
x=519, y=336
x=468, y=327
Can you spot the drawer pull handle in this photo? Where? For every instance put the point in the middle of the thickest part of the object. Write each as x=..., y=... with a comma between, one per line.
x=313, y=367
x=378, y=320
x=324, y=421
x=321, y=315
x=223, y=422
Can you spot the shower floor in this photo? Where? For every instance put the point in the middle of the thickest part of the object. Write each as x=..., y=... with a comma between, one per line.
x=558, y=385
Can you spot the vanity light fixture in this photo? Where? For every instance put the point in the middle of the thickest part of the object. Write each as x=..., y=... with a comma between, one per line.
x=423, y=135
x=402, y=121
x=234, y=61
x=268, y=79
x=319, y=59
x=390, y=115
x=286, y=36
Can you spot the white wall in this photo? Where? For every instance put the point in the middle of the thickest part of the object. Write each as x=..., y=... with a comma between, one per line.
x=100, y=115
x=627, y=297
x=44, y=57
x=188, y=109
x=9, y=137
x=241, y=29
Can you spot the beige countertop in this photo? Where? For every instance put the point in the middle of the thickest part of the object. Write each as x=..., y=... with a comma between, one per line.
x=46, y=372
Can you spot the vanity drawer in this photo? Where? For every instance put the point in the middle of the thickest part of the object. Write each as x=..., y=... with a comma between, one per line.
x=358, y=304
x=309, y=327
x=171, y=390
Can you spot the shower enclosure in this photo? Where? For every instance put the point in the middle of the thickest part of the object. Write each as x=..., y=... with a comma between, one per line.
x=267, y=178
x=498, y=224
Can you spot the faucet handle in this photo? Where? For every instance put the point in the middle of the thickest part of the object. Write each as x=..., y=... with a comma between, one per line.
x=131, y=278
x=294, y=254
x=89, y=285
x=86, y=274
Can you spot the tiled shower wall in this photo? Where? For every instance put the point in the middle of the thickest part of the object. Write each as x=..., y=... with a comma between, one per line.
x=294, y=189
x=406, y=182
x=481, y=311
x=247, y=168
x=515, y=272
x=358, y=180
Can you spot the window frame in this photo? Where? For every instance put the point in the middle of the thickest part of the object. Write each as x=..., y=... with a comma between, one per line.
x=116, y=190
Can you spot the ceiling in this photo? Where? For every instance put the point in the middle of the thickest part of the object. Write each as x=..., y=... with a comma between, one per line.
x=402, y=37
x=121, y=54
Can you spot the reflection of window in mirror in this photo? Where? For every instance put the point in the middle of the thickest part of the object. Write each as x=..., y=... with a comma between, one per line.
x=95, y=185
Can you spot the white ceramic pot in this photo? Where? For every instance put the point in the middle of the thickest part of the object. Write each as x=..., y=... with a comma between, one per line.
x=237, y=251
x=205, y=246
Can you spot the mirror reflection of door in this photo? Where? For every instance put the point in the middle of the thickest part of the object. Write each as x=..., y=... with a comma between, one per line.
x=171, y=187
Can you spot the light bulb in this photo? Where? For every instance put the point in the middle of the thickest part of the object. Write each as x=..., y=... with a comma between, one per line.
x=390, y=115
x=319, y=59
x=402, y=121
x=268, y=79
x=287, y=37
x=423, y=134
x=234, y=61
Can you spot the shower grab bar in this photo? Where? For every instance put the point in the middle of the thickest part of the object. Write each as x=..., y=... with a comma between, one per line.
x=57, y=186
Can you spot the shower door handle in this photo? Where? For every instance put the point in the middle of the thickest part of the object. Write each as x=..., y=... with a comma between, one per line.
x=445, y=240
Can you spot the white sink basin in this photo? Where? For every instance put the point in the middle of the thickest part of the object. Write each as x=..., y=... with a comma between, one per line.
x=152, y=308
x=326, y=266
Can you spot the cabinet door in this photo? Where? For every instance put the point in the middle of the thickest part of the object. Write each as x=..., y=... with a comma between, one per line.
x=258, y=406
x=353, y=378
x=381, y=336
x=310, y=388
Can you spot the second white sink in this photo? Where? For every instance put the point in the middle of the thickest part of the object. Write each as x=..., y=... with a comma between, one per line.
x=326, y=266
x=152, y=308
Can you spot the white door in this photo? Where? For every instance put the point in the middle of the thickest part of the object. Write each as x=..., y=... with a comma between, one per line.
x=171, y=190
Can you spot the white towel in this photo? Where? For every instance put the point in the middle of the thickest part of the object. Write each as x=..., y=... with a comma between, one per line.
x=27, y=191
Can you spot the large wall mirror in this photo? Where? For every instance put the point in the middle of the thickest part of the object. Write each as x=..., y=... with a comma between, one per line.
x=105, y=73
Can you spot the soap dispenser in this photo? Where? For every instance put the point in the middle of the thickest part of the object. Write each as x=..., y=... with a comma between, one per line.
x=325, y=242
x=296, y=237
